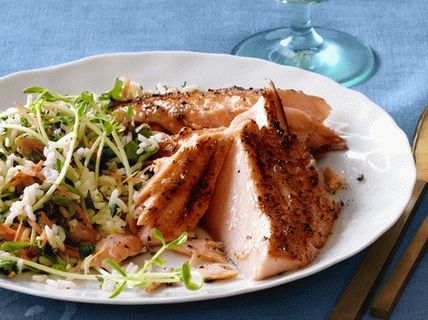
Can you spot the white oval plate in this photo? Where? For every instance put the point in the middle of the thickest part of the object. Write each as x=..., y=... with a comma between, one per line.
x=377, y=148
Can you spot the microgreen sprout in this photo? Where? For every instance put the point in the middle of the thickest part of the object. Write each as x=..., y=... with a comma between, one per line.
x=13, y=245
x=118, y=276
x=69, y=164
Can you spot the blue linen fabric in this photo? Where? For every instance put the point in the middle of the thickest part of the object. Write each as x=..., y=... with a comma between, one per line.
x=35, y=34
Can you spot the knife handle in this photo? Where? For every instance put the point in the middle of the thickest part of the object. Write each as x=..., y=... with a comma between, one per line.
x=355, y=299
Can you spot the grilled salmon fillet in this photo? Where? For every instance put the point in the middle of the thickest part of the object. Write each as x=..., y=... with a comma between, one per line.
x=176, y=197
x=269, y=208
x=217, y=108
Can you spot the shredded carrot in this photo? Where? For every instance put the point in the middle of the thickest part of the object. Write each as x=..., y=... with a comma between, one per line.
x=18, y=231
x=45, y=220
x=21, y=180
x=7, y=232
x=38, y=170
x=36, y=227
x=23, y=254
x=83, y=215
x=64, y=192
x=31, y=252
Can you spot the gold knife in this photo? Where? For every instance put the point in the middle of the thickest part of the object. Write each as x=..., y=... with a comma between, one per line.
x=355, y=299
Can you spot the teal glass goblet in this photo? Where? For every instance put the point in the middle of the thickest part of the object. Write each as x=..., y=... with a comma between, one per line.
x=335, y=54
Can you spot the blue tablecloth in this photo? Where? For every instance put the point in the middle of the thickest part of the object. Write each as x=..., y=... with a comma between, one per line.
x=35, y=34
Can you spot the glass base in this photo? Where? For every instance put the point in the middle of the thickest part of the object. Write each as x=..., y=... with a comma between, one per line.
x=340, y=56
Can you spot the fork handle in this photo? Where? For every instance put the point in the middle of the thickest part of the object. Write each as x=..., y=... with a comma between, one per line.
x=354, y=300
x=386, y=299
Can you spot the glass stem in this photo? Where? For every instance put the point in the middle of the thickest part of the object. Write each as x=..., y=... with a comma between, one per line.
x=303, y=35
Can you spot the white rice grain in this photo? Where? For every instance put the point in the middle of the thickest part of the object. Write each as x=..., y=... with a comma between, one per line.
x=55, y=236
x=24, y=207
x=61, y=284
x=40, y=278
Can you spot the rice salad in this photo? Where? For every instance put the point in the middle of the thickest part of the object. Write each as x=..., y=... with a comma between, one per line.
x=70, y=174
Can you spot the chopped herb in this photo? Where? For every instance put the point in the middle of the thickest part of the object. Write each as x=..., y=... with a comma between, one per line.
x=149, y=174
x=47, y=252
x=7, y=267
x=148, y=153
x=68, y=185
x=58, y=266
x=115, y=93
x=89, y=203
x=146, y=131
x=58, y=165
x=36, y=156
x=62, y=201
x=130, y=112
x=113, y=209
x=24, y=121
x=86, y=249
x=131, y=150
x=108, y=154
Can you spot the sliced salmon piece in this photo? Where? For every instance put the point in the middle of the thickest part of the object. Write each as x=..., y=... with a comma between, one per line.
x=319, y=138
x=152, y=287
x=81, y=233
x=209, y=258
x=315, y=107
x=269, y=208
x=217, y=271
x=176, y=197
x=117, y=247
x=197, y=110
x=203, y=250
x=27, y=146
x=217, y=108
x=333, y=181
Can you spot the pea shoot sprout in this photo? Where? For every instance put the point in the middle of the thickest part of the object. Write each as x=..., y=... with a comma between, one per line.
x=69, y=173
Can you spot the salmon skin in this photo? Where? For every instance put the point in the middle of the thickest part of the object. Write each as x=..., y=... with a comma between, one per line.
x=269, y=207
x=172, y=112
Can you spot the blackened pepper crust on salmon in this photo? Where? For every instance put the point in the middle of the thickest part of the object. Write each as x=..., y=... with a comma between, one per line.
x=269, y=208
x=217, y=108
x=197, y=110
x=288, y=191
x=178, y=195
